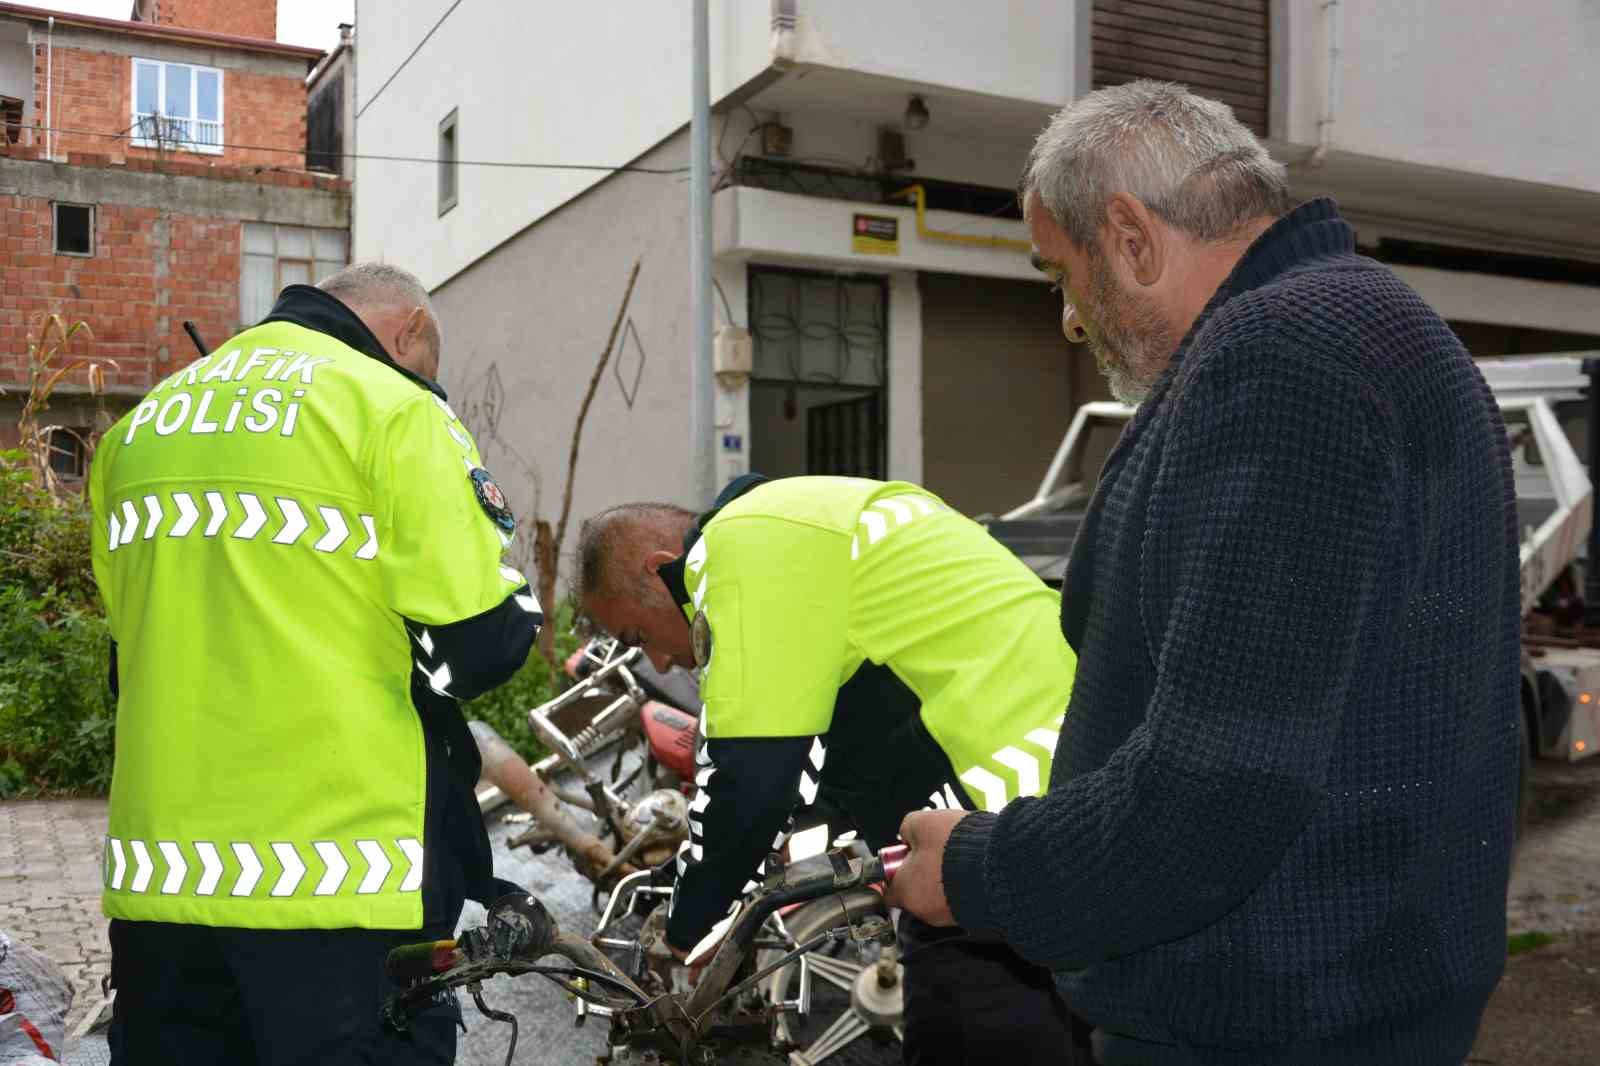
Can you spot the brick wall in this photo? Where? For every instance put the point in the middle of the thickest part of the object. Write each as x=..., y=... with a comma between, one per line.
x=151, y=269
x=244, y=18
x=93, y=91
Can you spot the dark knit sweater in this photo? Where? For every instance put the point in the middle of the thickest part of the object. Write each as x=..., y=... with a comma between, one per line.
x=1280, y=820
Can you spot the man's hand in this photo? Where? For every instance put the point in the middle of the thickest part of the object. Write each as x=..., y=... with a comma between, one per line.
x=919, y=886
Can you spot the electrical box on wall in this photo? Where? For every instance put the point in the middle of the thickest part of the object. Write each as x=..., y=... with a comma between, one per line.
x=776, y=139
x=731, y=351
x=892, y=150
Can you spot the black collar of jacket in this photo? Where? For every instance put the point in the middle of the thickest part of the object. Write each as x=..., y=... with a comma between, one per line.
x=1311, y=231
x=309, y=306
x=671, y=574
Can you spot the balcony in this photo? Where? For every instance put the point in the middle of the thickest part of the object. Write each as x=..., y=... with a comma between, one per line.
x=171, y=133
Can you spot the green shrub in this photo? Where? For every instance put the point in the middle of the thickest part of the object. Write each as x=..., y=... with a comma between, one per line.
x=44, y=537
x=56, y=714
x=506, y=708
x=57, y=718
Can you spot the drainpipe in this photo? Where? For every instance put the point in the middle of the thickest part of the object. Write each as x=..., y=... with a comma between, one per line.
x=1330, y=99
x=701, y=373
x=49, y=82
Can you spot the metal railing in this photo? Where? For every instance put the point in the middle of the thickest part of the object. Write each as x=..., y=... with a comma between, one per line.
x=181, y=134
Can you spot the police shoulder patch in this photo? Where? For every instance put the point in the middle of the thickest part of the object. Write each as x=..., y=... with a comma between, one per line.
x=492, y=500
x=700, y=634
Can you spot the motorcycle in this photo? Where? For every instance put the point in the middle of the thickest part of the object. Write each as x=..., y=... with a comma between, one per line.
x=654, y=1018
x=651, y=721
x=622, y=826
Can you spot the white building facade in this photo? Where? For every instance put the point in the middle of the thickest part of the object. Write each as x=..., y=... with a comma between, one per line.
x=1456, y=138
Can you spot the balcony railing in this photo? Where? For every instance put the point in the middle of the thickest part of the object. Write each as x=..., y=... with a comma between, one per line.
x=178, y=134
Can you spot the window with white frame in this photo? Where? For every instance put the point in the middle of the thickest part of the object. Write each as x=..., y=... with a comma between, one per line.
x=177, y=105
x=275, y=256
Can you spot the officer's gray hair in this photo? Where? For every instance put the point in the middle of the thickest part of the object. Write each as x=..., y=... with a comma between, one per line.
x=631, y=528
x=1186, y=158
x=380, y=285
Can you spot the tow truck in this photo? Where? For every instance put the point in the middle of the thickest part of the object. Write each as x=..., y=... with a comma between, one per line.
x=1551, y=408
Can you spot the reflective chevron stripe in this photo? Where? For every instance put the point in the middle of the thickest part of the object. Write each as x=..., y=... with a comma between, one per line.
x=219, y=512
x=811, y=781
x=360, y=867
x=152, y=506
x=693, y=566
x=337, y=531
x=883, y=517
x=989, y=786
x=294, y=522
x=177, y=868
x=369, y=550
x=120, y=862
x=255, y=516
x=210, y=867
x=126, y=523
x=188, y=515
x=1028, y=766
x=142, y=866
x=130, y=521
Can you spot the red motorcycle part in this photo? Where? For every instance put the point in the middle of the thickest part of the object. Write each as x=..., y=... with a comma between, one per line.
x=671, y=734
x=893, y=857
x=571, y=665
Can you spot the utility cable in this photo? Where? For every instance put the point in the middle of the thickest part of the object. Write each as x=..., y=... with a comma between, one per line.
x=624, y=169
x=426, y=37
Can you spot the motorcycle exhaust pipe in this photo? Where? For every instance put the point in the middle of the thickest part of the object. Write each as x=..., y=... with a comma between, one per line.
x=513, y=776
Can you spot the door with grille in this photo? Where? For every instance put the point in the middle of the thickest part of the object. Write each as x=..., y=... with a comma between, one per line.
x=818, y=396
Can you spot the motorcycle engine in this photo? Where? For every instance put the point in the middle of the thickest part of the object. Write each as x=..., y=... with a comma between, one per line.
x=662, y=818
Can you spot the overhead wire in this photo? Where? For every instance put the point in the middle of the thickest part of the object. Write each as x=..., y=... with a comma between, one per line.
x=403, y=63
x=513, y=164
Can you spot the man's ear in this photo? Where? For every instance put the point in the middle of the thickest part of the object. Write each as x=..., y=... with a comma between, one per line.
x=1133, y=237
x=411, y=331
x=657, y=559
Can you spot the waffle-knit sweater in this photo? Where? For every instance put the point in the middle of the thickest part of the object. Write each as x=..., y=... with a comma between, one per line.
x=1279, y=824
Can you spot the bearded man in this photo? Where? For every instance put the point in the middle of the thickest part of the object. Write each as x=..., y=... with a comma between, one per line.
x=1279, y=821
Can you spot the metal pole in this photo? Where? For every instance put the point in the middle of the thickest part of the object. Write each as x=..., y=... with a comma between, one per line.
x=700, y=376
x=1591, y=566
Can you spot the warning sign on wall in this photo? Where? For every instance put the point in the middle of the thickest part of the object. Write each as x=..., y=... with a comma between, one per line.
x=876, y=235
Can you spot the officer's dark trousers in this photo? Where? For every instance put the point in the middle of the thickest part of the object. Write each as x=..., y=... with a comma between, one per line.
x=971, y=1001
x=191, y=995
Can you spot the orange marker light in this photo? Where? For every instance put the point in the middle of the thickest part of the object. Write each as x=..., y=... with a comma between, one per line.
x=1584, y=697
x=1582, y=745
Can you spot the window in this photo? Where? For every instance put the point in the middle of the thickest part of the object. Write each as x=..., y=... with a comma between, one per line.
x=276, y=256
x=447, y=162
x=176, y=105
x=74, y=229
x=69, y=457
x=11, y=115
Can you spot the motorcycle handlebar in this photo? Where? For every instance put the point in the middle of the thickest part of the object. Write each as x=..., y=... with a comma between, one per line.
x=414, y=962
x=891, y=859
x=520, y=931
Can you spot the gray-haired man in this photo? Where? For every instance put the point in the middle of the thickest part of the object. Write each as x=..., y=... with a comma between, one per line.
x=1279, y=821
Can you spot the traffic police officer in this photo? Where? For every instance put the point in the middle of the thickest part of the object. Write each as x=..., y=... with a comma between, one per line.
x=300, y=556
x=861, y=640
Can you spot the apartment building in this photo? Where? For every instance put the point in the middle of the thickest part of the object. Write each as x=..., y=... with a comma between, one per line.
x=152, y=172
x=865, y=226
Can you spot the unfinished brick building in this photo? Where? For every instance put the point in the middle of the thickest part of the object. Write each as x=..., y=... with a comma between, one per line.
x=152, y=171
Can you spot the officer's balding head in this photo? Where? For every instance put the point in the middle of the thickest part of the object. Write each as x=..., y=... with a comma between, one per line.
x=620, y=554
x=395, y=307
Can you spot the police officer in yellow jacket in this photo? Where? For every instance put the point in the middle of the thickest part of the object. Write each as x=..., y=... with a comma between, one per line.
x=300, y=555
